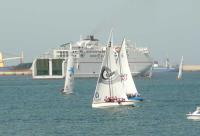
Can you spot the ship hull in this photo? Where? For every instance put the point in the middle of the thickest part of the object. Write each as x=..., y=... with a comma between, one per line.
x=82, y=69
x=21, y=69
x=162, y=69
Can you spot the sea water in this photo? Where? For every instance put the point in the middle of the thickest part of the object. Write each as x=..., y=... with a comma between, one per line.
x=37, y=108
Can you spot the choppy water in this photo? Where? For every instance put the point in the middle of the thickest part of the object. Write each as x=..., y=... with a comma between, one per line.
x=36, y=108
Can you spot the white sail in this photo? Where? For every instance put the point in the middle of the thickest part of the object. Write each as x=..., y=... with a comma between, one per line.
x=69, y=77
x=180, y=69
x=125, y=72
x=151, y=72
x=109, y=83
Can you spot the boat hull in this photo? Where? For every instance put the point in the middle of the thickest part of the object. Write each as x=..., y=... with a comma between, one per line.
x=66, y=91
x=164, y=69
x=136, y=99
x=194, y=117
x=112, y=104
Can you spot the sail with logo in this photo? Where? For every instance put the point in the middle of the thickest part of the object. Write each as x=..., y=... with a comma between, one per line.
x=109, y=90
x=69, y=77
x=180, y=69
x=126, y=76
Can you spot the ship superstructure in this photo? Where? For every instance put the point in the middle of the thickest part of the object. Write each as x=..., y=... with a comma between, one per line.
x=88, y=54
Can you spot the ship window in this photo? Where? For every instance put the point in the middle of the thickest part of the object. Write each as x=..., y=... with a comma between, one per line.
x=57, y=66
x=42, y=66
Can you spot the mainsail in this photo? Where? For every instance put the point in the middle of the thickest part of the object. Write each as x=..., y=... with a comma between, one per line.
x=69, y=77
x=125, y=72
x=151, y=72
x=109, y=83
x=180, y=69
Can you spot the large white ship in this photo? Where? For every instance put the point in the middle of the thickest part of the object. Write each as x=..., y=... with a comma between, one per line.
x=88, y=54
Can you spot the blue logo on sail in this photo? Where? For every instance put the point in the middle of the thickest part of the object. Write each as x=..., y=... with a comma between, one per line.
x=71, y=70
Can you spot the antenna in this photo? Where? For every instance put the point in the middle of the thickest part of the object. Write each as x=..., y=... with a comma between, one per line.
x=110, y=39
x=22, y=57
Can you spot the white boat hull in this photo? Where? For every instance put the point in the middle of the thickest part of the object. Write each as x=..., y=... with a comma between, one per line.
x=112, y=104
x=194, y=117
x=66, y=91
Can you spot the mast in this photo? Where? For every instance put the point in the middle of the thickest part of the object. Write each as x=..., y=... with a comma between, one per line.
x=22, y=57
x=110, y=46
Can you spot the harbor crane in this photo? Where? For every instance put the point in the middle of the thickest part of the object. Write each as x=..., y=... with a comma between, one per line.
x=2, y=59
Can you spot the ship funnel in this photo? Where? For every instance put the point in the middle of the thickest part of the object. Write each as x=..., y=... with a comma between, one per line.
x=1, y=60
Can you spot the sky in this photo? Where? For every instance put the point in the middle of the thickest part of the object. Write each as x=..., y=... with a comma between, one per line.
x=169, y=28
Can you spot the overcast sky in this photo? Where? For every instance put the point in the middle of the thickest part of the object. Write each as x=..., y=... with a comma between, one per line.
x=167, y=27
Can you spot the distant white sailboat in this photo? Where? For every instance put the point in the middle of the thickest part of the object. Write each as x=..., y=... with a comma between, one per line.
x=151, y=72
x=180, y=69
x=69, y=77
x=126, y=77
x=109, y=89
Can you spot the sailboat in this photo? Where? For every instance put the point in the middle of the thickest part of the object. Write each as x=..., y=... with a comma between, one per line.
x=180, y=69
x=69, y=77
x=126, y=77
x=150, y=72
x=109, y=89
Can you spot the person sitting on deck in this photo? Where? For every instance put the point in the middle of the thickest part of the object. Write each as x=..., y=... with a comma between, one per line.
x=113, y=99
x=133, y=95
